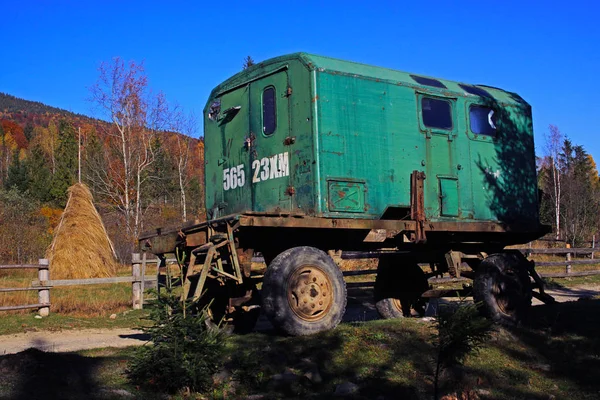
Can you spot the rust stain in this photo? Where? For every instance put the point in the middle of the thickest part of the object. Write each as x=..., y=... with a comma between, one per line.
x=315, y=98
x=341, y=194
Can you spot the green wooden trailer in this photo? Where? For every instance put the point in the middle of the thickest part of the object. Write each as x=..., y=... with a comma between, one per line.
x=306, y=154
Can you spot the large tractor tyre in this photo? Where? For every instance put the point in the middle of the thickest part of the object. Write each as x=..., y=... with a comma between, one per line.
x=502, y=288
x=398, y=289
x=304, y=292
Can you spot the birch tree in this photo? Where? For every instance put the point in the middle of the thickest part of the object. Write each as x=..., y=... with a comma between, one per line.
x=554, y=141
x=136, y=116
x=181, y=150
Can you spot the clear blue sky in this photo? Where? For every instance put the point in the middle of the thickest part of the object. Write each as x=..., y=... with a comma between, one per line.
x=547, y=51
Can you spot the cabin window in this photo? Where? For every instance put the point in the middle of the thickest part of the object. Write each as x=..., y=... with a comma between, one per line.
x=477, y=91
x=436, y=113
x=482, y=120
x=428, y=81
x=269, y=112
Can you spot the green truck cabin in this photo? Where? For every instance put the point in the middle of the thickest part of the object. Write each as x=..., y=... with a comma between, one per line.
x=319, y=137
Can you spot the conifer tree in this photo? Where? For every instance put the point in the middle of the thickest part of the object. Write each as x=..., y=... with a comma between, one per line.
x=17, y=176
x=40, y=176
x=66, y=163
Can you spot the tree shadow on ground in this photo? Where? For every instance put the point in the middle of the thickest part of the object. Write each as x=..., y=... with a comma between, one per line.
x=561, y=343
x=35, y=374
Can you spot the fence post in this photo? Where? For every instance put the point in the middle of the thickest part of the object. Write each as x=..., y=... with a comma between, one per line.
x=44, y=294
x=568, y=259
x=593, y=245
x=136, y=285
x=143, y=282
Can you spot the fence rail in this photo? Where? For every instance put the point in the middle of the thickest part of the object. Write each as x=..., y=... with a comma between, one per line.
x=43, y=304
x=44, y=284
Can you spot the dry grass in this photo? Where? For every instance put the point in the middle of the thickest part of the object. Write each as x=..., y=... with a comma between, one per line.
x=81, y=247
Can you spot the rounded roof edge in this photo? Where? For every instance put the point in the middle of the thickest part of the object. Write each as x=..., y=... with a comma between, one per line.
x=333, y=65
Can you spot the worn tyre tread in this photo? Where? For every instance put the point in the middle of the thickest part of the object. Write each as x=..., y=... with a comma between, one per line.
x=275, y=302
x=490, y=269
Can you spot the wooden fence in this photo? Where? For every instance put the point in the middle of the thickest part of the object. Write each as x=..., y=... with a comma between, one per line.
x=43, y=284
x=43, y=304
x=139, y=279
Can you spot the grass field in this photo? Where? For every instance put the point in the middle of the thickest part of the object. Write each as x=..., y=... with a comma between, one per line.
x=557, y=356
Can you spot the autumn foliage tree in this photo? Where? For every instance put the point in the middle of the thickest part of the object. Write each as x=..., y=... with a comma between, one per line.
x=139, y=120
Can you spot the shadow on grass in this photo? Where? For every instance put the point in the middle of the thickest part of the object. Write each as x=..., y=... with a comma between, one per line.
x=383, y=363
x=34, y=374
x=560, y=342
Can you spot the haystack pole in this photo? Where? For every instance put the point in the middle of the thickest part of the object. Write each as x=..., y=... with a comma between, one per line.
x=81, y=247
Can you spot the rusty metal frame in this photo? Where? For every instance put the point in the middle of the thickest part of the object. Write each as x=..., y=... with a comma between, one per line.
x=417, y=205
x=403, y=226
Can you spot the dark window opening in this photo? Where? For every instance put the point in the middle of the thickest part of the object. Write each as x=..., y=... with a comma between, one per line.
x=436, y=113
x=477, y=91
x=482, y=120
x=268, y=107
x=428, y=81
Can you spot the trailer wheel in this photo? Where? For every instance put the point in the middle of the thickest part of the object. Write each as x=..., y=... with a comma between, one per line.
x=398, y=289
x=502, y=288
x=304, y=292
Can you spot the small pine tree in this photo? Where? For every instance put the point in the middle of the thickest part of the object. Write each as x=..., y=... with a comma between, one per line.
x=459, y=333
x=184, y=354
x=248, y=62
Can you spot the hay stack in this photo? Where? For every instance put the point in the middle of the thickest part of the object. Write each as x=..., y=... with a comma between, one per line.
x=81, y=247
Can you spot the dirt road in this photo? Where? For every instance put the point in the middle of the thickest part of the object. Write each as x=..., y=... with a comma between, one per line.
x=74, y=340
x=360, y=308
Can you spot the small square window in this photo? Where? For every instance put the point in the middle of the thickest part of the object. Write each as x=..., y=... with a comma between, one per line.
x=482, y=120
x=269, y=112
x=428, y=81
x=477, y=91
x=436, y=113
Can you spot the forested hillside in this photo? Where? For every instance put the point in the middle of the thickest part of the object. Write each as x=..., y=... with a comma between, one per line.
x=40, y=158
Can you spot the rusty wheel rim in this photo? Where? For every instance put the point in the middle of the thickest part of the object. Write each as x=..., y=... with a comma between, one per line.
x=507, y=294
x=310, y=293
x=397, y=304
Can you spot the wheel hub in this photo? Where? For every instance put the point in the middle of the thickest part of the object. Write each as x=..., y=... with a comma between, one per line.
x=508, y=294
x=309, y=293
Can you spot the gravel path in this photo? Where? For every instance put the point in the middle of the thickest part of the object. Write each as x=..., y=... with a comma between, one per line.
x=360, y=308
x=70, y=340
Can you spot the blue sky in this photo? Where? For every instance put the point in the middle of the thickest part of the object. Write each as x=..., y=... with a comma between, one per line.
x=547, y=51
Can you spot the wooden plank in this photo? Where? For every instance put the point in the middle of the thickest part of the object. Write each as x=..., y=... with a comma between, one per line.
x=357, y=255
x=359, y=273
x=585, y=250
x=92, y=281
x=20, y=266
x=360, y=284
x=569, y=275
x=562, y=263
x=11, y=308
x=22, y=289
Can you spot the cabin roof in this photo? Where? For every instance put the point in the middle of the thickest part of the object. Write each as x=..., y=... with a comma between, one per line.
x=335, y=66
